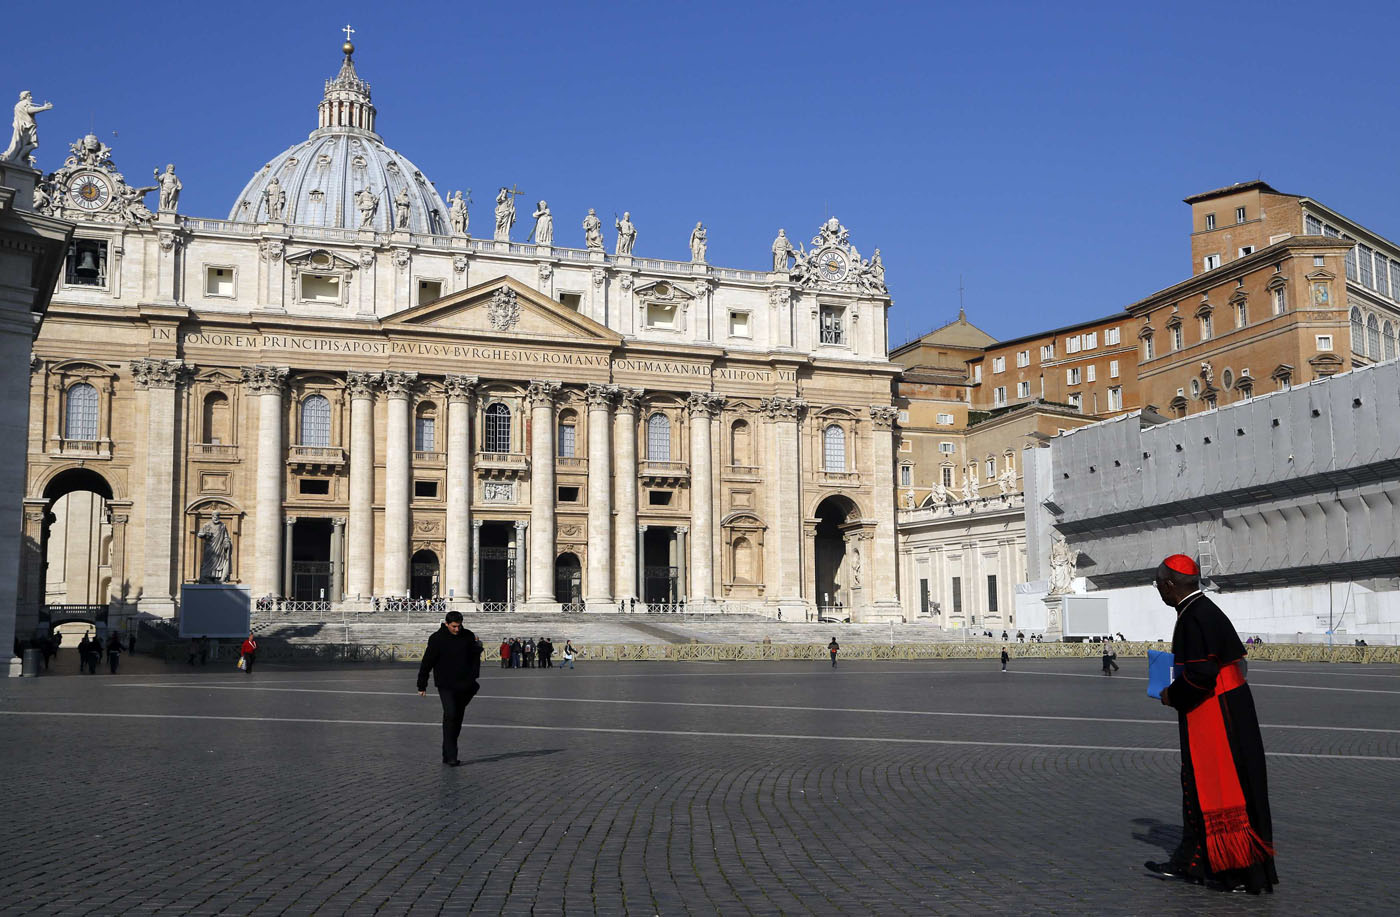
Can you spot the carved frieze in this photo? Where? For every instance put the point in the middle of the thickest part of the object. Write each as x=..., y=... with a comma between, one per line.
x=498, y=491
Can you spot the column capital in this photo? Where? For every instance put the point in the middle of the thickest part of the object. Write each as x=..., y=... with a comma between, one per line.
x=783, y=408
x=641, y=528
x=459, y=388
x=629, y=399
x=338, y=522
x=363, y=385
x=600, y=396
x=704, y=404
x=159, y=373
x=883, y=416
x=263, y=380
x=476, y=523
x=521, y=525
x=289, y=521
x=541, y=392
x=400, y=384
x=682, y=529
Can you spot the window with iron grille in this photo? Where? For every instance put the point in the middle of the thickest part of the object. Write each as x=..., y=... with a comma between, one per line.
x=957, y=595
x=991, y=592
x=1382, y=274
x=315, y=421
x=834, y=448
x=833, y=325
x=659, y=438
x=1351, y=264
x=497, y=428
x=1388, y=335
x=1364, y=260
x=1358, y=332
x=1373, y=338
x=80, y=415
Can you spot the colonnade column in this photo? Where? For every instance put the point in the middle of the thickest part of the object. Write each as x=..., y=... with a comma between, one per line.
x=627, y=547
x=359, y=565
x=397, y=471
x=598, y=588
x=457, y=580
x=266, y=384
x=883, y=572
x=703, y=406
x=160, y=380
x=541, y=399
x=784, y=414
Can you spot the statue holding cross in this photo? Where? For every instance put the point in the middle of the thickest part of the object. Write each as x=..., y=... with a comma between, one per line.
x=505, y=212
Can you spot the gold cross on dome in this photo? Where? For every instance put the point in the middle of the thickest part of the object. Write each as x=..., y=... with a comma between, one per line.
x=348, y=31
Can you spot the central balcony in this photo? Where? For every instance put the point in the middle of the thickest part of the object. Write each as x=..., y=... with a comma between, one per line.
x=500, y=465
x=664, y=472
x=316, y=459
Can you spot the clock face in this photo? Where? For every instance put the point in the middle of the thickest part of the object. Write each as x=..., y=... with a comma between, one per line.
x=89, y=191
x=832, y=266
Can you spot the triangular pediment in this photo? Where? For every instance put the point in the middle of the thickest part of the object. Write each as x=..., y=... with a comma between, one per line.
x=503, y=308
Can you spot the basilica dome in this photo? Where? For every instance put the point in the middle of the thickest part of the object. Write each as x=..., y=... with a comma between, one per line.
x=343, y=176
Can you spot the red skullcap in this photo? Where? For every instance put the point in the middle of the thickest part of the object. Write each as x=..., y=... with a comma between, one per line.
x=1182, y=564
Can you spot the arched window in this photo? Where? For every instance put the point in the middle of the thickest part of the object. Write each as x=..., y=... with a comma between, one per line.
x=425, y=428
x=658, y=438
x=1373, y=338
x=834, y=448
x=568, y=434
x=215, y=427
x=315, y=421
x=743, y=561
x=497, y=438
x=1388, y=336
x=1358, y=332
x=740, y=443
x=80, y=412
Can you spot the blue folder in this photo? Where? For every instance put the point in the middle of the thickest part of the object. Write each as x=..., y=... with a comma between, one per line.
x=1159, y=672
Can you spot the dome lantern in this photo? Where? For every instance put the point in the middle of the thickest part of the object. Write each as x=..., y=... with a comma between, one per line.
x=347, y=100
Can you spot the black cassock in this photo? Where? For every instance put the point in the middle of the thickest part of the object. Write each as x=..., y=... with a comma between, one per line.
x=1228, y=832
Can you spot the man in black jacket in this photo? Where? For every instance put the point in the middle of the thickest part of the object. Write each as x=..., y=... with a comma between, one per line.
x=454, y=657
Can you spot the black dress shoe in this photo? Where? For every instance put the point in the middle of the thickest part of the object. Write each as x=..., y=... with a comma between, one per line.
x=1171, y=871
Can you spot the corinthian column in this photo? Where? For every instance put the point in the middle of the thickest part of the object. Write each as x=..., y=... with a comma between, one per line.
x=884, y=573
x=399, y=387
x=541, y=398
x=626, y=550
x=359, y=554
x=785, y=499
x=266, y=383
x=456, y=578
x=598, y=588
x=703, y=407
x=159, y=379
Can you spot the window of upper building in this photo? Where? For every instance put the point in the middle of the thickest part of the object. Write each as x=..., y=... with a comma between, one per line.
x=1388, y=339
x=1210, y=262
x=661, y=316
x=218, y=281
x=86, y=264
x=999, y=396
x=658, y=438
x=1113, y=369
x=946, y=448
x=991, y=468
x=903, y=416
x=946, y=475
x=1023, y=358
x=1115, y=398
x=998, y=364
x=1090, y=372
x=571, y=300
x=834, y=448
x=1207, y=326
x=80, y=412
x=1395, y=280
x=1352, y=273
x=1383, y=275
x=1149, y=349
x=1363, y=258
x=1312, y=226
x=741, y=443
x=568, y=434
x=1210, y=221
x=906, y=475
x=315, y=421
x=1072, y=375
x=1091, y=340
x=1178, y=340
x=320, y=288
x=496, y=428
x=1239, y=214
x=1358, y=332
x=1023, y=389
x=833, y=324
x=1241, y=314
x=1324, y=342
x=1331, y=232
x=946, y=419
x=1076, y=401
x=216, y=426
x=976, y=372
x=1373, y=337
x=1047, y=352
x=1072, y=344
x=429, y=290
x=1246, y=250
x=1111, y=336
x=739, y=324
x=1280, y=295
x=426, y=490
x=425, y=428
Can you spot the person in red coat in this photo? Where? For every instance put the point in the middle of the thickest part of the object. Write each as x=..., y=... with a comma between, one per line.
x=248, y=651
x=505, y=653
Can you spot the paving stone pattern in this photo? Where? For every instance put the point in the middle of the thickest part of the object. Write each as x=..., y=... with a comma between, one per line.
x=318, y=791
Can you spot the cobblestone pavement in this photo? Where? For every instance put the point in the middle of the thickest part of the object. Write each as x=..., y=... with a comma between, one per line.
x=875, y=788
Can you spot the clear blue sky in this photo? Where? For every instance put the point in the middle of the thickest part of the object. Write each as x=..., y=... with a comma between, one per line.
x=1039, y=150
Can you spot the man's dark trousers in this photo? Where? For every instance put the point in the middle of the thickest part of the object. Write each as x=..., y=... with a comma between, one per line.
x=454, y=706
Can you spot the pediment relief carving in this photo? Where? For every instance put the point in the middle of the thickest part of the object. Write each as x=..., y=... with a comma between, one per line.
x=503, y=307
x=664, y=291
x=319, y=259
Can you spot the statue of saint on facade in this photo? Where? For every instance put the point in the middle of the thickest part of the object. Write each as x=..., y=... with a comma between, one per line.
x=969, y=487
x=626, y=234
x=1006, y=481
x=782, y=251
x=697, y=243
x=367, y=202
x=457, y=213
x=218, y=551
x=1062, y=561
x=593, y=231
x=132, y=204
x=940, y=493
x=402, y=207
x=276, y=200
x=543, y=232
x=170, y=188
x=25, y=139
x=505, y=214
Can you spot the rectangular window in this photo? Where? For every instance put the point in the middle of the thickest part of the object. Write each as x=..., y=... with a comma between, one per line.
x=739, y=325
x=1207, y=326
x=1023, y=358
x=1324, y=342
x=906, y=445
x=947, y=475
x=998, y=364
x=568, y=440
x=1280, y=301
x=991, y=593
x=991, y=468
x=425, y=489
x=1351, y=264
x=661, y=316
x=1072, y=344
x=1076, y=401
x=425, y=434
x=1395, y=280
x=1115, y=398
x=1239, y=214
x=1023, y=389
x=1091, y=340
x=1113, y=369
x=957, y=595
x=1312, y=226
x=1330, y=232
x=1091, y=373
x=977, y=372
x=568, y=494
x=833, y=322
x=1246, y=250
x=906, y=475
x=1382, y=274
x=1047, y=352
x=945, y=448
x=87, y=263
x=659, y=497
x=1177, y=340
x=1241, y=314
x=429, y=290
x=923, y=597
x=317, y=487
x=1149, y=349
x=1364, y=259
x=218, y=281
x=1210, y=221
x=999, y=396
x=571, y=301
x=1210, y=262
x=946, y=419
x=1072, y=375
x=1111, y=336
x=320, y=288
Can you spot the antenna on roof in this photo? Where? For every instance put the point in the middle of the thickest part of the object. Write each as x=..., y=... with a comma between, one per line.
x=962, y=313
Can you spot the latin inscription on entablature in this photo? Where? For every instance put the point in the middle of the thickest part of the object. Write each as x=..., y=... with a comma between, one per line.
x=727, y=374
x=663, y=368
x=294, y=343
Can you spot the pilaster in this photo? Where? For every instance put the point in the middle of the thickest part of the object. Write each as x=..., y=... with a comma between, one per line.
x=159, y=379
x=884, y=572
x=702, y=406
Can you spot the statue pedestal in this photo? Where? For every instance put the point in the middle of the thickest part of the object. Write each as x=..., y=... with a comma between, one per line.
x=215, y=610
x=1055, y=628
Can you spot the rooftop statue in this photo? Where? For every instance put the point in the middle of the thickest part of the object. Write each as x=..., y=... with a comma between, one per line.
x=276, y=200
x=25, y=139
x=626, y=234
x=170, y=188
x=505, y=214
x=782, y=251
x=457, y=213
x=402, y=208
x=367, y=202
x=698, y=244
x=543, y=232
x=593, y=231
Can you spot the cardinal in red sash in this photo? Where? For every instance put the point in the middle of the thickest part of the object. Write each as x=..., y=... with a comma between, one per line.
x=1227, y=837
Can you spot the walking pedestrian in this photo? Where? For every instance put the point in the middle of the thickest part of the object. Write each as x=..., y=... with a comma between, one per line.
x=529, y=653
x=1109, y=665
x=453, y=655
x=247, y=654
x=546, y=650
x=569, y=654
x=833, y=648
x=114, y=651
x=1005, y=658
x=203, y=650
x=1227, y=838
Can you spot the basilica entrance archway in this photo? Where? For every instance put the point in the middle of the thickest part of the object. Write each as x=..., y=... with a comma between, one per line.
x=424, y=583
x=72, y=562
x=310, y=561
x=836, y=575
x=497, y=564
x=662, y=559
x=568, y=579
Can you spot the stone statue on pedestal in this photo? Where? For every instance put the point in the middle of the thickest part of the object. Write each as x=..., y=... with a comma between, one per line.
x=544, y=224
x=782, y=251
x=626, y=234
x=402, y=207
x=218, y=551
x=593, y=231
x=698, y=244
x=1062, y=561
x=276, y=200
x=969, y=488
x=170, y=189
x=457, y=213
x=367, y=202
x=1006, y=481
x=505, y=214
x=25, y=139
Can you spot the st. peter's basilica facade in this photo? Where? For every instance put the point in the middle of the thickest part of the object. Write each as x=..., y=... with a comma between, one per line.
x=379, y=403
